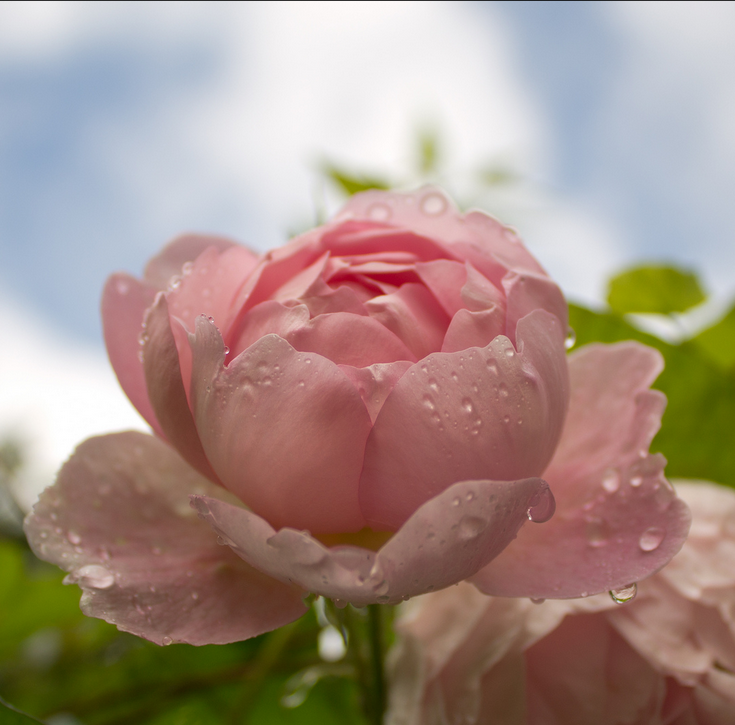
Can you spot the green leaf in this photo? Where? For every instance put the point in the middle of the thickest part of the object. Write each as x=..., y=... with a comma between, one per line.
x=697, y=434
x=10, y=716
x=718, y=342
x=352, y=183
x=652, y=289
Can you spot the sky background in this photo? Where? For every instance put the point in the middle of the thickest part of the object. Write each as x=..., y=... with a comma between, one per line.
x=122, y=125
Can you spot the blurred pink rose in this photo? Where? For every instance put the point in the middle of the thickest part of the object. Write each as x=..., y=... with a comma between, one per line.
x=665, y=658
x=396, y=377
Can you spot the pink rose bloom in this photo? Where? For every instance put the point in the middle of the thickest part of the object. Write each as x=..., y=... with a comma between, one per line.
x=364, y=413
x=665, y=658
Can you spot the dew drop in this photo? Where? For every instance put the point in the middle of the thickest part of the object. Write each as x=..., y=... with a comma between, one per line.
x=470, y=527
x=597, y=532
x=433, y=204
x=94, y=576
x=506, y=419
x=542, y=507
x=379, y=212
x=509, y=352
x=434, y=385
x=470, y=496
x=74, y=537
x=492, y=367
x=381, y=588
x=195, y=595
x=610, y=480
x=503, y=390
x=624, y=594
x=166, y=641
x=636, y=481
x=456, y=501
x=651, y=539
x=537, y=600
x=467, y=406
x=429, y=403
x=571, y=339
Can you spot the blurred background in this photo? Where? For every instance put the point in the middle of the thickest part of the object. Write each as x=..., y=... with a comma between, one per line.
x=605, y=132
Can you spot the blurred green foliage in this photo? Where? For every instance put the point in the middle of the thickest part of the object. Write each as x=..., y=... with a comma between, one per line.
x=652, y=288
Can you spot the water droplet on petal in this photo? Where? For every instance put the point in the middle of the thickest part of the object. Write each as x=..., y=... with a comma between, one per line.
x=379, y=212
x=470, y=527
x=467, y=406
x=503, y=390
x=537, y=600
x=610, y=480
x=381, y=588
x=433, y=204
x=571, y=339
x=470, y=496
x=94, y=576
x=542, y=507
x=636, y=481
x=166, y=641
x=195, y=595
x=624, y=594
x=597, y=531
x=74, y=537
x=456, y=501
x=492, y=367
x=509, y=352
x=651, y=539
x=429, y=403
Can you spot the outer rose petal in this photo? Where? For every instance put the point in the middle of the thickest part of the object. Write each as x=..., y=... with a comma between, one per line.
x=285, y=431
x=441, y=544
x=168, y=396
x=618, y=520
x=450, y=398
x=118, y=520
x=473, y=329
x=528, y=292
x=176, y=254
x=124, y=303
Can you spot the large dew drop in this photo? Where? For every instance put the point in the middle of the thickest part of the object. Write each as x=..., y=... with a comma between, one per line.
x=542, y=507
x=624, y=594
x=651, y=539
x=92, y=576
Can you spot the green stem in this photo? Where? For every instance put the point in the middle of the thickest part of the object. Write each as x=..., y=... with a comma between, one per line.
x=375, y=623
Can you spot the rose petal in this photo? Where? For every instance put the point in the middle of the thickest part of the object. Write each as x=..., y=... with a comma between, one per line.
x=176, y=254
x=348, y=339
x=269, y=317
x=167, y=394
x=451, y=398
x=341, y=299
x=473, y=329
x=445, y=279
x=441, y=544
x=528, y=292
x=478, y=293
x=118, y=519
x=124, y=303
x=617, y=519
x=208, y=286
x=375, y=382
x=285, y=431
x=414, y=316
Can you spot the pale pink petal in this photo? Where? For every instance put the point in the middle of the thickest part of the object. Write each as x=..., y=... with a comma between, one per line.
x=167, y=394
x=208, y=286
x=664, y=629
x=528, y=292
x=445, y=279
x=618, y=520
x=124, y=303
x=441, y=544
x=186, y=248
x=469, y=402
x=375, y=382
x=704, y=569
x=714, y=699
x=478, y=293
x=414, y=316
x=474, y=329
x=285, y=431
x=348, y=339
x=269, y=317
x=584, y=672
x=303, y=281
x=118, y=520
x=342, y=299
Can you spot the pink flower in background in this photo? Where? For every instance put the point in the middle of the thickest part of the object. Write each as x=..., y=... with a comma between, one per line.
x=666, y=658
x=396, y=377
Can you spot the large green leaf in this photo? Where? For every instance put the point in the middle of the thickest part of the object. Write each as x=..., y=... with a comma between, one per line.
x=654, y=289
x=697, y=435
